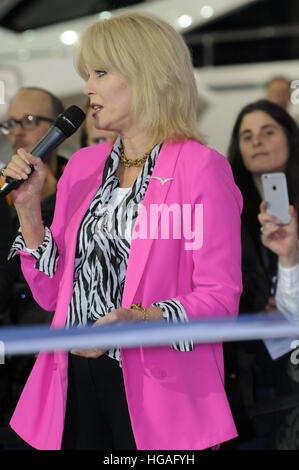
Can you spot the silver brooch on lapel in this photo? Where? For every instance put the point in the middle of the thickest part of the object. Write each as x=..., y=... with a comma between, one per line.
x=161, y=179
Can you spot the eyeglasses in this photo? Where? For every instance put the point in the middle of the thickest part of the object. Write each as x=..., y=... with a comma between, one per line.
x=28, y=123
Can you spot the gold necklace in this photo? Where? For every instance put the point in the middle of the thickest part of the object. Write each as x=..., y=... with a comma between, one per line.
x=128, y=162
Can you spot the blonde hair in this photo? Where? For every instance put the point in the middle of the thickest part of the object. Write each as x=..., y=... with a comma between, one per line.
x=154, y=58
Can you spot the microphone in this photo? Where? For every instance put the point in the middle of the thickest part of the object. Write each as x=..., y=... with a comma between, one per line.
x=63, y=127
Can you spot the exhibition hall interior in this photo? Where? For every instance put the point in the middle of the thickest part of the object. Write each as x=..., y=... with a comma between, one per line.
x=226, y=120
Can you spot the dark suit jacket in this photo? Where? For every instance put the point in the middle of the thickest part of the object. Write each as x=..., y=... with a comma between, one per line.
x=14, y=290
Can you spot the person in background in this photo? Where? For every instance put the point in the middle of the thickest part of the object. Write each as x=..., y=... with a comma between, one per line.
x=90, y=135
x=283, y=240
x=278, y=90
x=6, y=237
x=7, y=234
x=6, y=230
x=30, y=114
x=97, y=264
x=265, y=139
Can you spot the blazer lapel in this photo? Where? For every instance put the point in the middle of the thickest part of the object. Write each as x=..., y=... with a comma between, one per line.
x=156, y=193
x=91, y=183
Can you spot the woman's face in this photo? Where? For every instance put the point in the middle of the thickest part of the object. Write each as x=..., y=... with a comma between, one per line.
x=263, y=143
x=110, y=97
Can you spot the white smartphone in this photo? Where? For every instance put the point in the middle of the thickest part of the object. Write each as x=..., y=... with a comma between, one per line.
x=276, y=195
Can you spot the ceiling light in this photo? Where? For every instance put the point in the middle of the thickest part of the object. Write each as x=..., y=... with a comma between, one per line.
x=207, y=11
x=69, y=37
x=29, y=35
x=105, y=15
x=185, y=21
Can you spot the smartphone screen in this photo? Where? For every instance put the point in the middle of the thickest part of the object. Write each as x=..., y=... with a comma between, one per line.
x=276, y=195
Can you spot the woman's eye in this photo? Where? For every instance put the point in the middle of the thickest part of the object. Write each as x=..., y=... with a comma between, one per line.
x=100, y=73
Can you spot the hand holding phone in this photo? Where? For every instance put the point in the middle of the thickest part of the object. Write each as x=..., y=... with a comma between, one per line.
x=276, y=196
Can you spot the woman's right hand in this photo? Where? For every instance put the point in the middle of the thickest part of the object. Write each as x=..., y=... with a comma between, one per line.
x=19, y=168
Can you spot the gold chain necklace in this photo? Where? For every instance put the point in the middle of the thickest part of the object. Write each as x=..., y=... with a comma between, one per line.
x=129, y=162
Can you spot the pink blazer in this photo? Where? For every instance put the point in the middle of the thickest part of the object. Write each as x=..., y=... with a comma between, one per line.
x=176, y=400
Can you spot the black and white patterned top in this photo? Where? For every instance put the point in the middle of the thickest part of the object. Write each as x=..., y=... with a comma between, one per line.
x=103, y=247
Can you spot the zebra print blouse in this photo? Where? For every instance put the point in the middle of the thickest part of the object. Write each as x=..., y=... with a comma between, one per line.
x=103, y=246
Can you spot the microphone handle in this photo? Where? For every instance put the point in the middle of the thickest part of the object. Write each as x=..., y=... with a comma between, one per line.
x=52, y=139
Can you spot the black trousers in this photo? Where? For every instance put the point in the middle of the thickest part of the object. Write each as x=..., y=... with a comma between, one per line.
x=97, y=416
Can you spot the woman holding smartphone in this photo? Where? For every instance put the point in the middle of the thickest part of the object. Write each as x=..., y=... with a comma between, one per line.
x=265, y=139
x=283, y=240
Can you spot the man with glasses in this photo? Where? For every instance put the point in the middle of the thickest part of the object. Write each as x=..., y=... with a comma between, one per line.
x=30, y=114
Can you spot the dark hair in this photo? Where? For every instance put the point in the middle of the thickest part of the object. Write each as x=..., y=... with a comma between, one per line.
x=56, y=104
x=242, y=176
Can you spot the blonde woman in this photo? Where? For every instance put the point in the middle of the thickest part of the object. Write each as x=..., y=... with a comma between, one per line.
x=145, y=229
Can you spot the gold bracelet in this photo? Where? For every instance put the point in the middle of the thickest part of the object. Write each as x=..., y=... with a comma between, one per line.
x=141, y=309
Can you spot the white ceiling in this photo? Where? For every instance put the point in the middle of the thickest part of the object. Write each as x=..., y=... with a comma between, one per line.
x=170, y=10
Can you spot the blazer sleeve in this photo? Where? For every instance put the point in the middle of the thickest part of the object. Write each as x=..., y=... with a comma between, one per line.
x=44, y=288
x=217, y=274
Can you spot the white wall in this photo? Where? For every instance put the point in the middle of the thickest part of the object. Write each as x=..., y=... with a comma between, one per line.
x=224, y=106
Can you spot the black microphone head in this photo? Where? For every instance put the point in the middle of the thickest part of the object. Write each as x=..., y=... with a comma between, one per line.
x=69, y=121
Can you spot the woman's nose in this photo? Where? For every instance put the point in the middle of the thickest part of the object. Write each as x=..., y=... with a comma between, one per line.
x=88, y=90
x=256, y=140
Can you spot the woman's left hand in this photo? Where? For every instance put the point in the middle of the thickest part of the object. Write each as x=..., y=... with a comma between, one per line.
x=115, y=316
x=281, y=239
